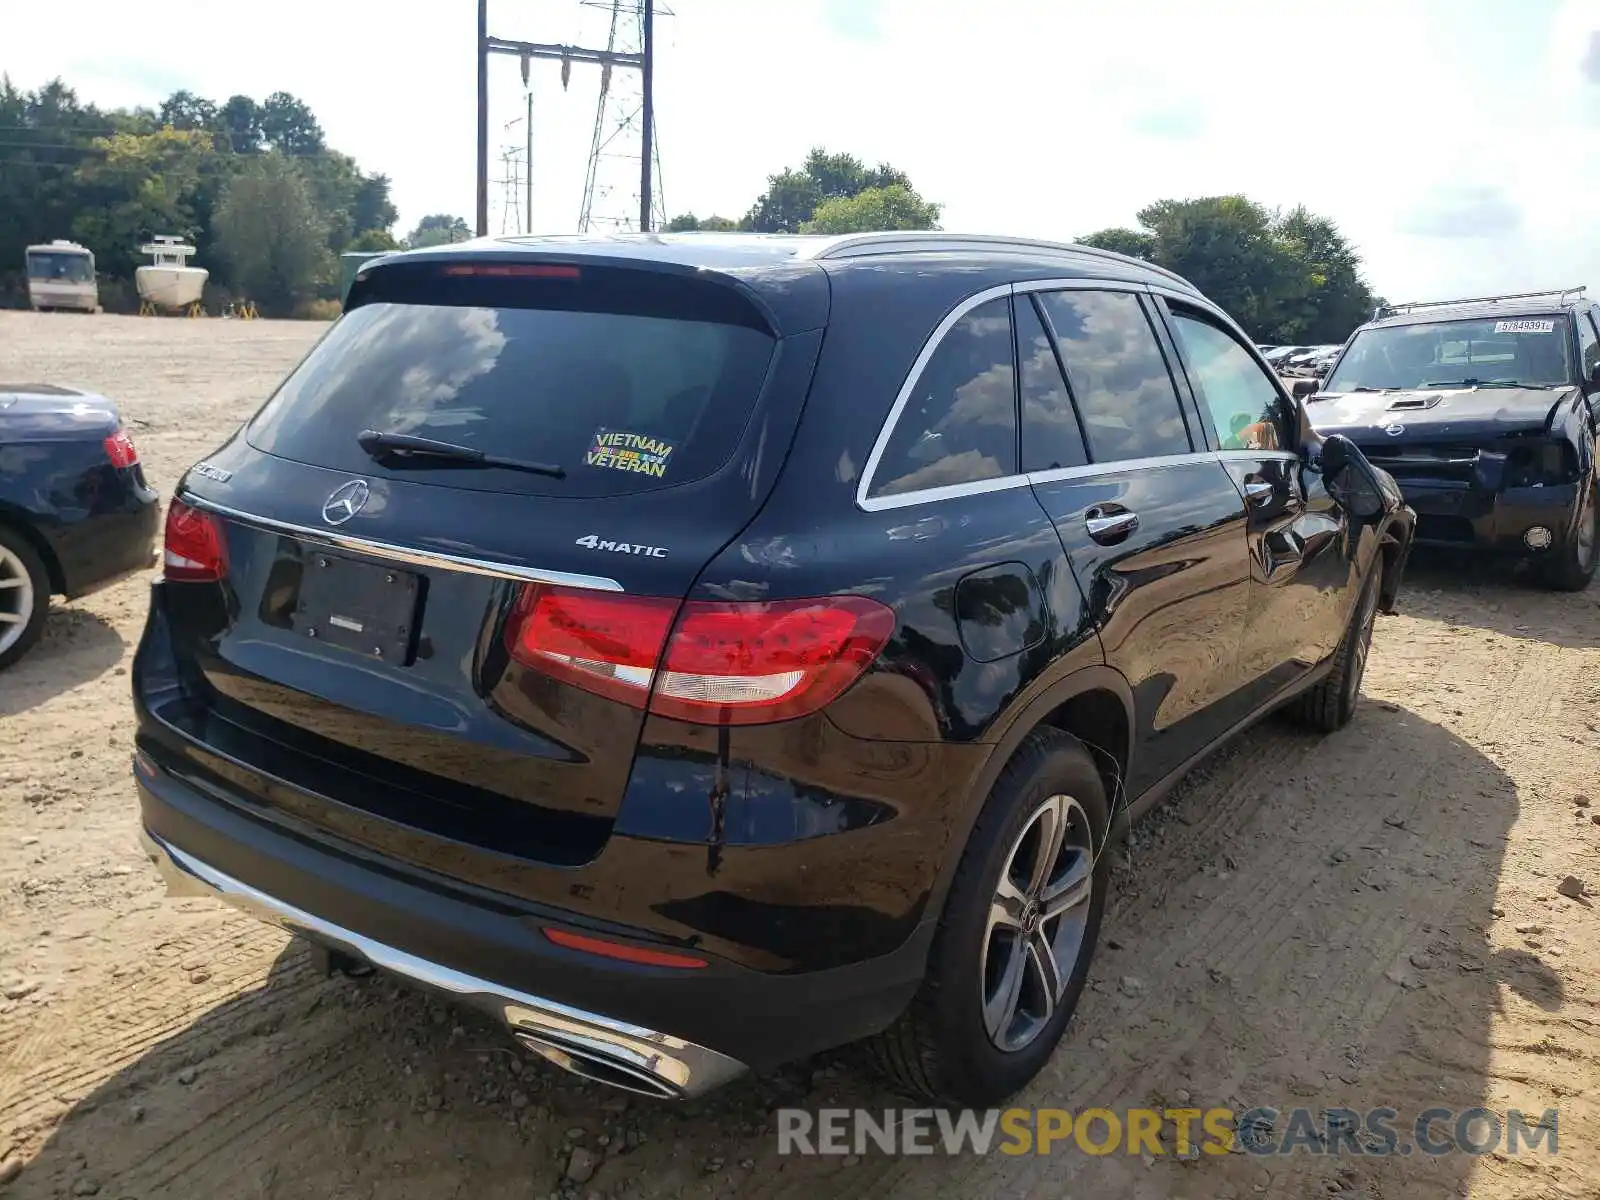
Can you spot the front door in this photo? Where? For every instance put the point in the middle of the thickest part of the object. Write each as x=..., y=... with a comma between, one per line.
x=1299, y=539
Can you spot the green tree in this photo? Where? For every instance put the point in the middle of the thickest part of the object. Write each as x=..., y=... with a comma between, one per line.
x=1285, y=277
x=689, y=223
x=792, y=196
x=373, y=240
x=273, y=237
x=438, y=229
x=1132, y=242
x=185, y=110
x=137, y=185
x=892, y=207
x=288, y=125
x=239, y=122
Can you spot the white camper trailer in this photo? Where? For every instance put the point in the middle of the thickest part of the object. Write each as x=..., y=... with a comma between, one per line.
x=61, y=276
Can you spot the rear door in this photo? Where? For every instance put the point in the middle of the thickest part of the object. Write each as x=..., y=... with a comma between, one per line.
x=1299, y=565
x=1151, y=522
x=461, y=647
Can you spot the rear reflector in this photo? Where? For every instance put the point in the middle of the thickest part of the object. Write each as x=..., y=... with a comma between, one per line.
x=195, y=550
x=622, y=951
x=121, y=450
x=723, y=664
x=514, y=270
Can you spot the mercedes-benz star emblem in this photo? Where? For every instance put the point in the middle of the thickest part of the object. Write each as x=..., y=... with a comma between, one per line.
x=347, y=500
x=1394, y=430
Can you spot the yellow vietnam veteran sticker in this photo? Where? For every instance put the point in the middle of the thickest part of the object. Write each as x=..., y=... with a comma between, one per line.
x=614, y=450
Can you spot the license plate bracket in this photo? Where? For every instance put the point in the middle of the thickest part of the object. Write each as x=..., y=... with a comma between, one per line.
x=361, y=607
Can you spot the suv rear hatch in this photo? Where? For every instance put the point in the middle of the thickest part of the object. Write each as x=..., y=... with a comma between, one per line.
x=463, y=646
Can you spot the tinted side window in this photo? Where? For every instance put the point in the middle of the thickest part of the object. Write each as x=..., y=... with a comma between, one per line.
x=1244, y=406
x=959, y=424
x=1118, y=376
x=1050, y=434
x=1588, y=343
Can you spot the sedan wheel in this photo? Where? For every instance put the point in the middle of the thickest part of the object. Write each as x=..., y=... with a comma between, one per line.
x=16, y=598
x=24, y=595
x=1037, y=922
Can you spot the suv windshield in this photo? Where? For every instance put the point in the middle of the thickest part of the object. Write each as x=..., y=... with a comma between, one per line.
x=1530, y=351
x=619, y=402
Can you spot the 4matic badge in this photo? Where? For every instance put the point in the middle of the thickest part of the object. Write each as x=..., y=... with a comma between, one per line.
x=594, y=541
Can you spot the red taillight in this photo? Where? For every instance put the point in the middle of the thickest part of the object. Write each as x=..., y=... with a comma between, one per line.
x=121, y=450
x=195, y=550
x=724, y=664
x=622, y=951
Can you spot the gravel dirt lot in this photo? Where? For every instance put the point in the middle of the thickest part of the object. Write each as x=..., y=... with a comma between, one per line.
x=1371, y=919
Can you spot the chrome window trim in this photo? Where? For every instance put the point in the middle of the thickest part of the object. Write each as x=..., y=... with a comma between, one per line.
x=913, y=377
x=1257, y=455
x=1149, y=463
x=406, y=554
x=868, y=503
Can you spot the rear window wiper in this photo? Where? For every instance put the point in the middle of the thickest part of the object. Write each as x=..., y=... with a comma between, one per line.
x=381, y=446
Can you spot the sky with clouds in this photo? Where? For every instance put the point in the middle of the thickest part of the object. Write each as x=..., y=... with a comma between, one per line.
x=1457, y=142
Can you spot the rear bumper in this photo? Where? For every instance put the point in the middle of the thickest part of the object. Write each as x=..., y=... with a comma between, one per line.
x=667, y=1031
x=105, y=547
x=612, y=1051
x=1498, y=522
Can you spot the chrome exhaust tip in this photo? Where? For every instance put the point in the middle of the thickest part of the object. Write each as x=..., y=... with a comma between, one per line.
x=587, y=1065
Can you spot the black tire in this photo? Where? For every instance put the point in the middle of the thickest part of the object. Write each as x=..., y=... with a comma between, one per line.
x=1329, y=706
x=15, y=549
x=1574, y=568
x=941, y=1048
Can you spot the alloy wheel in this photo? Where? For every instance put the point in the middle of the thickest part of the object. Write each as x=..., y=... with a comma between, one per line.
x=16, y=598
x=1037, y=922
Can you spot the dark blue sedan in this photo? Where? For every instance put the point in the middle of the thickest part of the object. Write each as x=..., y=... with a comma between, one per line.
x=75, y=511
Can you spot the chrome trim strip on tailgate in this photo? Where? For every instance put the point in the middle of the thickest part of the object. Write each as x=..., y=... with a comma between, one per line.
x=407, y=554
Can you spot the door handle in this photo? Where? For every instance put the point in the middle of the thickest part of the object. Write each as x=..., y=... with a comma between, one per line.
x=1107, y=527
x=1258, y=491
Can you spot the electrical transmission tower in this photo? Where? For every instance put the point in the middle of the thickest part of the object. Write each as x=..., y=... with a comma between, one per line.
x=624, y=131
x=624, y=117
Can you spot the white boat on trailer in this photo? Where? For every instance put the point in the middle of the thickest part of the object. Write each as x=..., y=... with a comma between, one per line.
x=169, y=283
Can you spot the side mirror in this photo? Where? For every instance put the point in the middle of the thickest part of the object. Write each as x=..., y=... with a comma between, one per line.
x=1594, y=375
x=1305, y=387
x=1351, y=479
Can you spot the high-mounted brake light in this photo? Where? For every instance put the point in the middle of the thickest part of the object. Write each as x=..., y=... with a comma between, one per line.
x=514, y=270
x=723, y=663
x=121, y=450
x=195, y=550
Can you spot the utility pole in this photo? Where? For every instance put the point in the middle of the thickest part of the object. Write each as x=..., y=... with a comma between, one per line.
x=483, y=118
x=529, y=164
x=648, y=130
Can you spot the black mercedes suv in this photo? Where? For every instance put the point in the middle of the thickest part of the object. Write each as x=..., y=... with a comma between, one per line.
x=1487, y=413
x=700, y=651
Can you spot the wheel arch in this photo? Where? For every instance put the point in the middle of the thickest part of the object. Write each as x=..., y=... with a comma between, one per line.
x=1093, y=704
x=13, y=519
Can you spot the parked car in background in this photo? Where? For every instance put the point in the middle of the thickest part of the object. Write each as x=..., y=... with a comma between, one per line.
x=1487, y=413
x=75, y=511
x=61, y=276
x=737, y=646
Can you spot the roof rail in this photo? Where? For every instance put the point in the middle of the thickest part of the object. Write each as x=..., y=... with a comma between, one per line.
x=909, y=241
x=1561, y=294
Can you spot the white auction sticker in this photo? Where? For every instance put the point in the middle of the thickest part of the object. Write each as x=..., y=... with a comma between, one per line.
x=1524, y=326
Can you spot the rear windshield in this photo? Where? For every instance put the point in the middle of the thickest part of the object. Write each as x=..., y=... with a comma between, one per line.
x=622, y=402
x=1503, y=350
